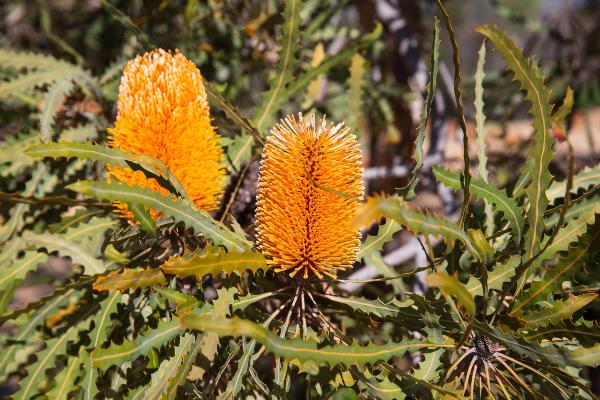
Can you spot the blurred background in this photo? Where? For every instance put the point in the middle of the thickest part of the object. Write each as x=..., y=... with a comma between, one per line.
x=379, y=91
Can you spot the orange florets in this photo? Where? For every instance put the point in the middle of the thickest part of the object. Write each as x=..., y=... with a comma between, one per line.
x=163, y=112
x=309, y=189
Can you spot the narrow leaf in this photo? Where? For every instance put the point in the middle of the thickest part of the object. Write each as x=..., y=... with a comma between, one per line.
x=452, y=287
x=213, y=261
x=129, y=279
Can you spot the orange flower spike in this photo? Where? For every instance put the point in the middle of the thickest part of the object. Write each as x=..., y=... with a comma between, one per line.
x=309, y=189
x=163, y=112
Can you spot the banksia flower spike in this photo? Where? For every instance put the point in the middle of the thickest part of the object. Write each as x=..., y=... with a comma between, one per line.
x=309, y=189
x=163, y=112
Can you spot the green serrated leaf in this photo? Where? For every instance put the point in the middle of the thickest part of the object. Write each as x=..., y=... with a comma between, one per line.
x=151, y=166
x=451, y=286
x=91, y=265
x=18, y=60
x=374, y=307
x=529, y=76
x=161, y=379
x=27, y=329
x=186, y=364
x=103, y=358
x=214, y=261
x=272, y=99
x=496, y=278
x=589, y=176
x=52, y=102
x=184, y=302
x=408, y=190
x=241, y=303
x=239, y=149
x=395, y=209
x=561, y=310
x=45, y=360
x=508, y=206
x=374, y=243
x=587, y=333
x=180, y=210
x=302, y=350
x=65, y=380
x=39, y=78
x=564, y=269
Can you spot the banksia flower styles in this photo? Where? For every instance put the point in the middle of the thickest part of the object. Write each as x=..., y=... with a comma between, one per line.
x=163, y=112
x=309, y=189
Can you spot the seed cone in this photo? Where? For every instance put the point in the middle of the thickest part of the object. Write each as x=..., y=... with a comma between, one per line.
x=163, y=112
x=309, y=189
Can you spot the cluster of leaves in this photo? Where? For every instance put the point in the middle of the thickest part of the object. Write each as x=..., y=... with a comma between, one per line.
x=187, y=306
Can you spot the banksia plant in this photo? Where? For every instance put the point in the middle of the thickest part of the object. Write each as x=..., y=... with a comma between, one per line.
x=309, y=189
x=163, y=112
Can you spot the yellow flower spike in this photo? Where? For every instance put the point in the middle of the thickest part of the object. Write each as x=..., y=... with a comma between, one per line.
x=309, y=189
x=163, y=112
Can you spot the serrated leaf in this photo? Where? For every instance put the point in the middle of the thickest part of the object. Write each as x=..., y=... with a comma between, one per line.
x=241, y=303
x=180, y=210
x=90, y=264
x=384, y=389
x=563, y=270
x=52, y=102
x=356, y=82
x=18, y=60
x=451, y=286
x=374, y=307
x=103, y=358
x=302, y=350
x=561, y=310
x=27, y=329
x=374, y=243
x=39, y=78
x=151, y=166
x=81, y=133
x=408, y=190
x=181, y=374
x=30, y=260
x=528, y=74
x=429, y=368
x=589, y=176
x=128, y=278
x=239, y=149
x=496, y=278
x=161, y=379
x=395, y=209
x=508, y=206
x=587, y=333
x=214, y=261
x=184, y=302
x=65, y=380
x=232, y=112
x=45, y=360
x=272, y=99
x=375, y=259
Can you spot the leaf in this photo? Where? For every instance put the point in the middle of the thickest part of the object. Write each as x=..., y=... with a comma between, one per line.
x=11, y=153
x=375, y=259
x=384, y=389
x=45, y=360
x=587, y=333
x=65, y=380
x=409, y=190
x=19, y=60
x=81, y=133
x=395, y=209
x=128, y=351
x=429, y=368
x=560, y=310
x=589, y=176
x=98, y=336
x=501, y=274
x=31, y=259
x=374, y=307
x=28, y=328
x=16, y=221
x=181, y=374
x=143, y=217
x=529, y=76
x=129, y=279
x=374, y=243
x=214, y=261
x=565, y=109
x=356, y=82
x=151, y=166
x=272, y=99
x=184, y=302
x=508, y=206
x=452, y=287
x=168, y=369
x=241, y=303
x=40, y=78
x=52, y=103
x=301, y=350
x=180, y=210
x=90, y=264
x=563, y=270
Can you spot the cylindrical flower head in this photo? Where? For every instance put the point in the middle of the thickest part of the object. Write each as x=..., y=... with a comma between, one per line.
x=309, y=189
x=163, y=112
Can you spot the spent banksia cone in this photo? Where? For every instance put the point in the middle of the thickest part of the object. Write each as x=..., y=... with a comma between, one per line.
x=163, y=112
x=309, y=189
